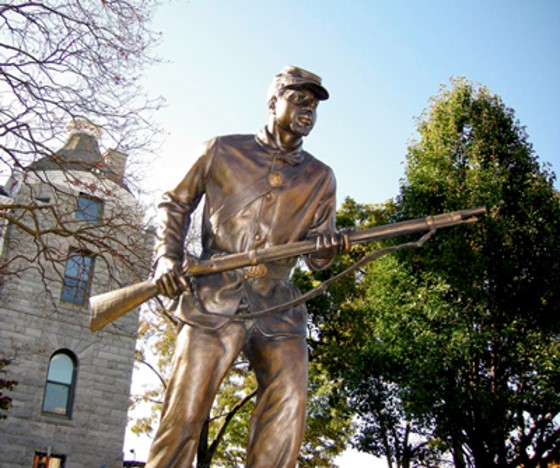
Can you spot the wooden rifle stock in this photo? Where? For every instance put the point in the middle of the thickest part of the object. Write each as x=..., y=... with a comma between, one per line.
x=107, y=307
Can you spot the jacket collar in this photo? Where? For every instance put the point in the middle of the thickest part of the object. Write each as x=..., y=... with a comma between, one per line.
x=267, y=142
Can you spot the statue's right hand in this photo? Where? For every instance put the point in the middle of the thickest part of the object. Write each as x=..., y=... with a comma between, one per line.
x=169, y=280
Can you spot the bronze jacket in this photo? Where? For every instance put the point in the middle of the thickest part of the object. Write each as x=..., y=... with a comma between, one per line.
x=297, y=202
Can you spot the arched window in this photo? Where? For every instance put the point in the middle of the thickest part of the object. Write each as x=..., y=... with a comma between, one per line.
x=61, y=380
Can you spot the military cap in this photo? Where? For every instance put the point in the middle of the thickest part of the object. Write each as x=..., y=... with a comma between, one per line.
x=294, y=77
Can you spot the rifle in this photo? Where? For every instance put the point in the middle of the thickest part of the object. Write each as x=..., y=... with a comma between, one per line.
x=107, y=307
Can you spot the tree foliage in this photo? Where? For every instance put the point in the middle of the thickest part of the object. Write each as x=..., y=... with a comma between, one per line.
x=347, y=344
x=463, y=334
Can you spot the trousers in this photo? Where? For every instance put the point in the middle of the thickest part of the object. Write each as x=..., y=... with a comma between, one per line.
x=202, y=358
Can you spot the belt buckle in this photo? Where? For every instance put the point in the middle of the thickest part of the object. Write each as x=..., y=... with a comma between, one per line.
x=255, y=271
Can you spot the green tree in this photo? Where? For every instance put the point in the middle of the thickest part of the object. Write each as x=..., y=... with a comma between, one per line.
x=465, y=332
x=348, y=348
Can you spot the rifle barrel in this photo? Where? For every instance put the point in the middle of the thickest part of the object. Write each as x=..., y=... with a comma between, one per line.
x=295, y=249
x=107, y=307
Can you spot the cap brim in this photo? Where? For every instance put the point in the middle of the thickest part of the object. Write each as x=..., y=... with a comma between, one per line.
x=321, y=93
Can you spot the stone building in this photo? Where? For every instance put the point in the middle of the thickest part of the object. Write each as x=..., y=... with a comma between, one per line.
x=73, y=230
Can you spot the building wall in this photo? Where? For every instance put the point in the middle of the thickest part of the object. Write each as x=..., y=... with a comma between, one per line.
x=35, y=324
x=93, y=436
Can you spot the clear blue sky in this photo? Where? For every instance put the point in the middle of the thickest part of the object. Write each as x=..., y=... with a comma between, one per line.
x=380, y=60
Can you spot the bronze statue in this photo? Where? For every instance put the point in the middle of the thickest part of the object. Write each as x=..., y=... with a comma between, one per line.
x=266, y=202
x=260, y=191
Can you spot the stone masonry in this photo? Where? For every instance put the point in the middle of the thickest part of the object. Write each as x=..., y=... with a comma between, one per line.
x=35, y=324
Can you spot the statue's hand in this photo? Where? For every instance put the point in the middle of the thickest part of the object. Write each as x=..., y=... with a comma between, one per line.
x=169, y=280
x=328, y=245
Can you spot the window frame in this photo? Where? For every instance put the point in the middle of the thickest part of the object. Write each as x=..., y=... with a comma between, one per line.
x=71, y=387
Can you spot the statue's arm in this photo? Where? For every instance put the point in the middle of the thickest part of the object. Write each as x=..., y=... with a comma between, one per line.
x=173, y=222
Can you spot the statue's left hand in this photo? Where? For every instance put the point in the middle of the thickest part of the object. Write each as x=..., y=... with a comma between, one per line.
x=329, y=244
x=169, y=278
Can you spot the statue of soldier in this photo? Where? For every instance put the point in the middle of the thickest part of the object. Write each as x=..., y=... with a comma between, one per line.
x=260, y=190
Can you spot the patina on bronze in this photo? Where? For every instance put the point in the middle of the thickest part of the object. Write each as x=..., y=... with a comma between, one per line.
x=260, y=191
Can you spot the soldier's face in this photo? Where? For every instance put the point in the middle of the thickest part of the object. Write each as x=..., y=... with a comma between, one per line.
x=296, y=111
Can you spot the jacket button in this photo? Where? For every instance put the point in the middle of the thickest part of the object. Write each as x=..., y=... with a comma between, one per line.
x=275, y=179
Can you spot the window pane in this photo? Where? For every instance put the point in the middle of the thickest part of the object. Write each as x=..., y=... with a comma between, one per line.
x=89, y=209
x=77, y=278
x=78, y=266
x=85, y=265
x=60, y=383
x=56, y=398
x=74, y=291
x=61, y=369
